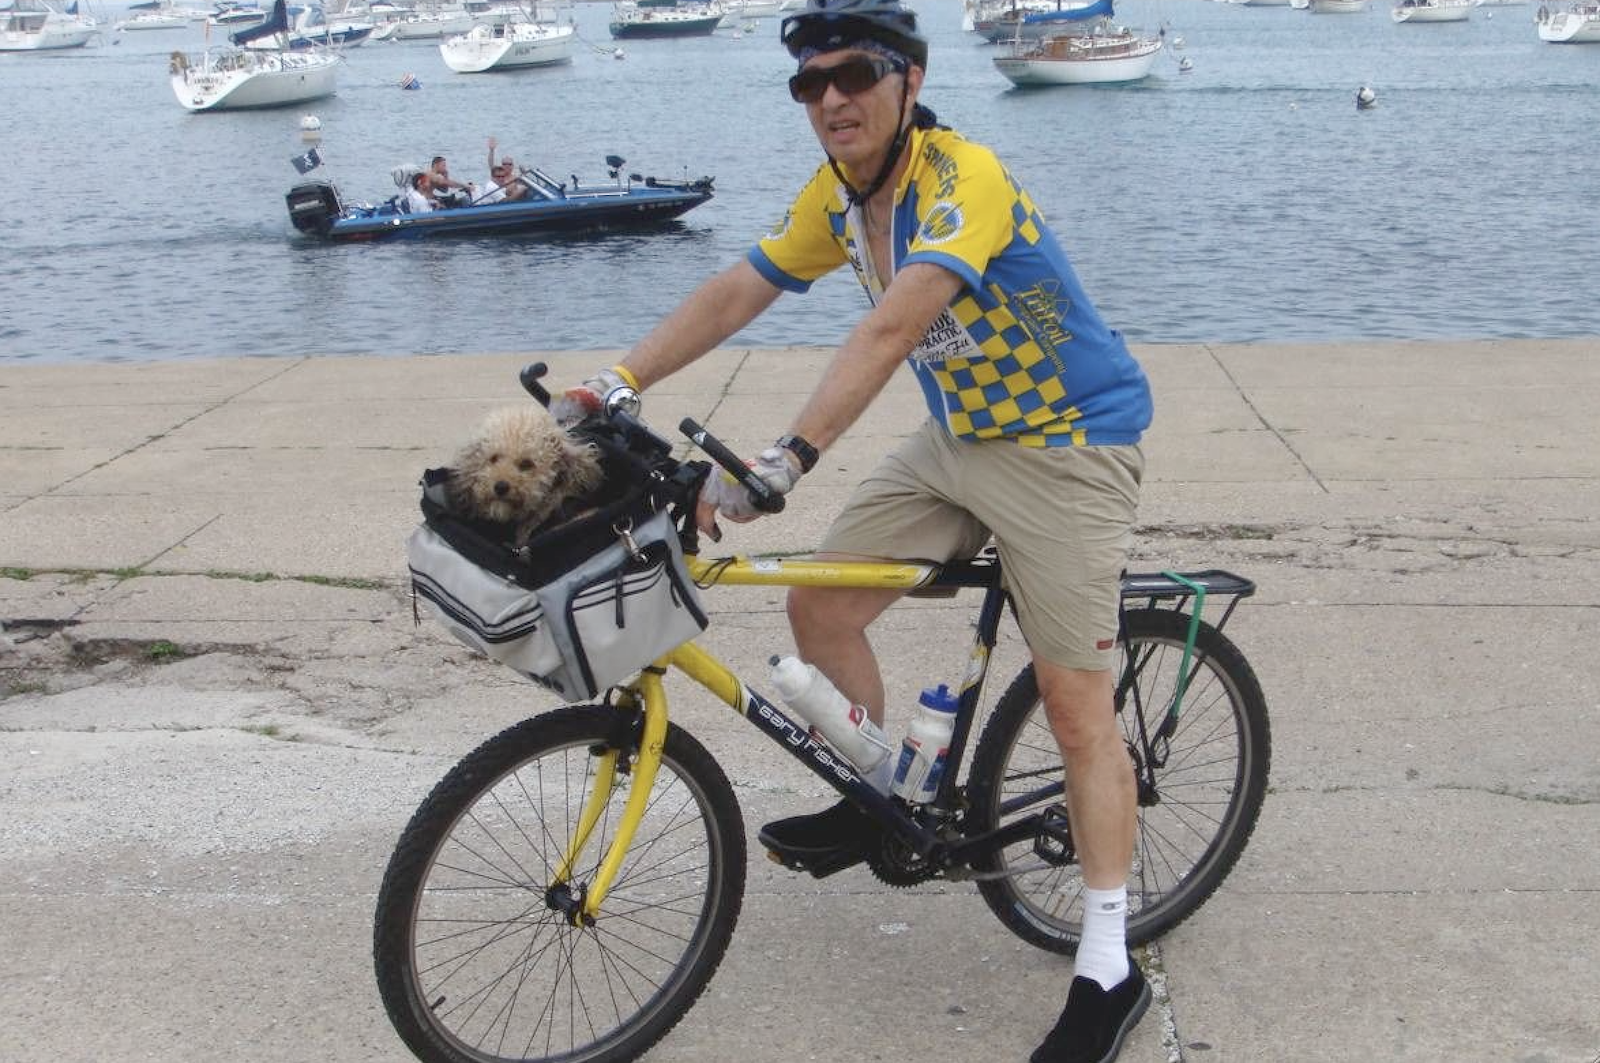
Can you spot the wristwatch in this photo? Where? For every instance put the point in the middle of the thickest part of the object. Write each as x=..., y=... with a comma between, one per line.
x=800, y=449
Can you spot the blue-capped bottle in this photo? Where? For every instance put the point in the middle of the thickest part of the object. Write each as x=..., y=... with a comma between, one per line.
x=926, y=746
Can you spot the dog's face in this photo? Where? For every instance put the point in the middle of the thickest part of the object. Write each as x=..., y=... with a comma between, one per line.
x=515, y=466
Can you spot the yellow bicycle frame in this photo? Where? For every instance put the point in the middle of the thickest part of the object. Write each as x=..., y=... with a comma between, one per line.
x=716, y=678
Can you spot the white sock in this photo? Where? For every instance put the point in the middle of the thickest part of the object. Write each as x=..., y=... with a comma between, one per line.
x=1103, y=952
x=882, y=777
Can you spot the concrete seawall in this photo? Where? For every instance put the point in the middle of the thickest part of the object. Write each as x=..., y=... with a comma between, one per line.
x=216, y=713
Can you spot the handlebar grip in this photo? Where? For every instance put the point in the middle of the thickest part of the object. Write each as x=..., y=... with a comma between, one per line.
x=530, y=381
x=765, y=498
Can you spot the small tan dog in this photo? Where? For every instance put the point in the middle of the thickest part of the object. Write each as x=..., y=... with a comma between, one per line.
x=519, y=468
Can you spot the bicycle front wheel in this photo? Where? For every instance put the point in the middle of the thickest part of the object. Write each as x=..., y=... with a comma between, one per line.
x=475, y=959
x=1200, y=790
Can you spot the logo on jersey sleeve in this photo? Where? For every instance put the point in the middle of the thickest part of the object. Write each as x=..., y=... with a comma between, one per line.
x=942, y=224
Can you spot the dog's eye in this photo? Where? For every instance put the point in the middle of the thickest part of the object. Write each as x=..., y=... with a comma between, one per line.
x=525, y=464
x=494, y=459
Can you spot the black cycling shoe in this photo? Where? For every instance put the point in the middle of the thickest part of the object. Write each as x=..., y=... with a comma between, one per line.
x=1095, y=1021
x=822, y=843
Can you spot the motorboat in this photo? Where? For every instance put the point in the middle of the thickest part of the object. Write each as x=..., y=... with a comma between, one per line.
x=1337, y=7
x=317, y=209
x=309, y=28
x=1097, y=52
x=231, y=79
x=1260, y=3
x=35, y=26
x=1577, y=23
x=233, y=16
x=682, y=20
x=508, y=46
x=1432, y=10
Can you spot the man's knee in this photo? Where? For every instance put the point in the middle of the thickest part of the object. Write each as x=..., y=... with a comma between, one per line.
x=836, y=611
x=805, y=607
x=1078, y=705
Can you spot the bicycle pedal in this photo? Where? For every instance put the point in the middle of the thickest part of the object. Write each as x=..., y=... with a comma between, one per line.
x=815, y=864
x=1054, y=840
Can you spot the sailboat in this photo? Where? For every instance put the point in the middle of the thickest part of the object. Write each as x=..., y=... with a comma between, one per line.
x=1083, y=48
x=237, y=78
x=1002, y=20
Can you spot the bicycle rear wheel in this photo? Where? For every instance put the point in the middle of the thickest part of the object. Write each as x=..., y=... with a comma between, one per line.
x=476, y=963
x=1198, y=798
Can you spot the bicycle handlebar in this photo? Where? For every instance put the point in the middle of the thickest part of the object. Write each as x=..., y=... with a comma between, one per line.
x=637, y=432
x=761, y=493
x=530, y=381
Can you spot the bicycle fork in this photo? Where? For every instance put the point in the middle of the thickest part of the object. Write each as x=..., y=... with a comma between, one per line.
x=582, y=909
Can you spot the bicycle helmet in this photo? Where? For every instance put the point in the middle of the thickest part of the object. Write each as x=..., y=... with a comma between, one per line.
x=828, y=25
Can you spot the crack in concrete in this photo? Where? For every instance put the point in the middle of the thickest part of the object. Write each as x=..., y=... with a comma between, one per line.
x=1261, y=419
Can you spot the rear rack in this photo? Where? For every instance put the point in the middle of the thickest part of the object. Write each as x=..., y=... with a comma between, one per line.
x=1179, y=588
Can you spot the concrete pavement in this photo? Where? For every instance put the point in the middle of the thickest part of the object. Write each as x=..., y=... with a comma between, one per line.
x=216, y=713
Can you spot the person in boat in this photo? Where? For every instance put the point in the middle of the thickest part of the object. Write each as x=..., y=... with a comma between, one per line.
x=418, y=198
x=507, y=178
x=1036, y=412
x=504, y=184
x=446, y=190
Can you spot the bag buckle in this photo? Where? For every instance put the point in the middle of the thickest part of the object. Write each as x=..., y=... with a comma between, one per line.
x=625, y=533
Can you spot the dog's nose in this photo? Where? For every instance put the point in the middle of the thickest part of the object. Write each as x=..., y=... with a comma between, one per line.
x=501, y=489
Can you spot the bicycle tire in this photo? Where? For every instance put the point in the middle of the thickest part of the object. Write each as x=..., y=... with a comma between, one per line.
x=473, y=962
x=1209, y=791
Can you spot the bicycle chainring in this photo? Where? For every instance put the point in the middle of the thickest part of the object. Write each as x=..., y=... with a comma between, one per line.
x=896, y=865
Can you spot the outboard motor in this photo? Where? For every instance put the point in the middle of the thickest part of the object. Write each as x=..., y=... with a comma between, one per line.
x=314, y=207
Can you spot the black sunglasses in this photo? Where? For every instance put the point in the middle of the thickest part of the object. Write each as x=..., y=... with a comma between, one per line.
x=854, y=75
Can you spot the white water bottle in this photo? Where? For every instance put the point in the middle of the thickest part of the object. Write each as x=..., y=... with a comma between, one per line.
x=926, y=746
x=845, y=726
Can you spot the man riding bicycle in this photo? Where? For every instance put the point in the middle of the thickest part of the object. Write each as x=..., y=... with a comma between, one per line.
x=1037, y=410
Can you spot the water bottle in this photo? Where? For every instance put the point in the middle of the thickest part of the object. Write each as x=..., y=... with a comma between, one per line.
x=845, y=726
x=927, y=743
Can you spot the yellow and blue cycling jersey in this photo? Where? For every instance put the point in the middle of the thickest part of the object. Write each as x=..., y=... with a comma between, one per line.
x=1020, y=354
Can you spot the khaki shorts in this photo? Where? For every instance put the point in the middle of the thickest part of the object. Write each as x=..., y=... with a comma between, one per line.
x=1061, y=517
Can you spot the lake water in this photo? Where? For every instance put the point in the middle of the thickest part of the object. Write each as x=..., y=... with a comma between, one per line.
x=1246, y=199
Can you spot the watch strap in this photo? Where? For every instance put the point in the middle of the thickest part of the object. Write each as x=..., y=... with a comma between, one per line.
x=801, y=449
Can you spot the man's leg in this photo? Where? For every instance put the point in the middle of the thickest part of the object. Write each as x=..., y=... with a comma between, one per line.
x=1108, y=994
x=830, y=631
x=1101, y=798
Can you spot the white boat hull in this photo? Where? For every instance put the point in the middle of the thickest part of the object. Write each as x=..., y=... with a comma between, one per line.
x=519, y=45
x=1581, y=25
x=432, y=26
x=752, y=9
x=1087, y=61
x=238, y=80
x=156, y=22
x=1433, y=11
x=43, y=31
x=1337, y=7
x=1260, y=3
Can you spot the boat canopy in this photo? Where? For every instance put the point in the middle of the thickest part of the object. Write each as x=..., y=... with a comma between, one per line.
x=1098, y=9
x=277, y=22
